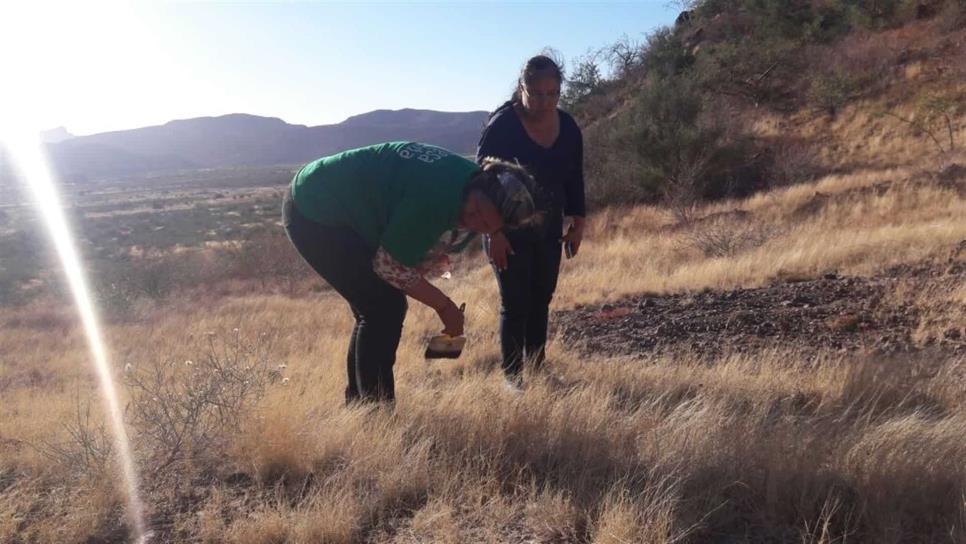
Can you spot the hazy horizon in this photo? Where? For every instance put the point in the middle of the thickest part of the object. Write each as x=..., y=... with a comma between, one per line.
x=109, y=67
x=287, y=121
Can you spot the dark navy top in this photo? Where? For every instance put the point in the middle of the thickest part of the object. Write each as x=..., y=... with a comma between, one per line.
x=558, y=171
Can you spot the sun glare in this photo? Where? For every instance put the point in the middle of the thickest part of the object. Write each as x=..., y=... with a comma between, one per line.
x=92, y=67
x=23, y=149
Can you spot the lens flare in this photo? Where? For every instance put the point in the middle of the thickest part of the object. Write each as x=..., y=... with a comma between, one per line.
x=26, y=155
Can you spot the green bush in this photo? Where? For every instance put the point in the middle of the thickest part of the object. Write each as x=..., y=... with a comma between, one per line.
x=797, y=19
x=675, y=142
x=830, y=92
x=759, y=71
x=665, y=54
x=584, y=81
x=686, y=152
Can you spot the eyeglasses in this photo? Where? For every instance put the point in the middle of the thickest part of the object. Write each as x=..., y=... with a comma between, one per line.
x=547, y=95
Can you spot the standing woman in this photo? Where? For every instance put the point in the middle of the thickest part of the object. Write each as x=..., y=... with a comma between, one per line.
x=373, y=221
x=530, y=129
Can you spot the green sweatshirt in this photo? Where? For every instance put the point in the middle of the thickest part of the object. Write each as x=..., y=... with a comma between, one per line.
x=399, y=195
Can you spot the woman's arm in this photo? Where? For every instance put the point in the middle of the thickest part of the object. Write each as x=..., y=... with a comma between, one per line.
x=574, y=206
x=409, y=281
x=574, y=187
x=448, y=312
x=494, y=143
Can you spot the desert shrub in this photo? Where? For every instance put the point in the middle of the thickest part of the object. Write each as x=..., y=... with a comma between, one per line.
x=183, y=409
x=612, y=169
x=830, y=92
x=86, y=447
x=934, y=119
x=721, y=238
x=686, y=151
x=157, y=277
x=584, y=80
x=266, y=257
x=119, y=285
x=822, y=20
x=625, y=56
x=791, y=162
x=674, y=146
x=873, y=14
x=953, y=14
x=114, y=296
x=759, y=71
x=665, y=54
x=779, y=18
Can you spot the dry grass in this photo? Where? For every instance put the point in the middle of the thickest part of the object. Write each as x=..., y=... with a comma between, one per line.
x=771, y=446
x=855, y=224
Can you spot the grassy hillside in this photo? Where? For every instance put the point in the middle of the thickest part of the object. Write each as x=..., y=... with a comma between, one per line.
x=784, y=366
x=764, y=94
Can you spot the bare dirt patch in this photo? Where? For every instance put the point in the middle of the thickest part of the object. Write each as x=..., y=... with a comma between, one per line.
x=831, y=313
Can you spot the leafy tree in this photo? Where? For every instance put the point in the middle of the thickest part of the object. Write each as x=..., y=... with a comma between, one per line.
x=585, y=80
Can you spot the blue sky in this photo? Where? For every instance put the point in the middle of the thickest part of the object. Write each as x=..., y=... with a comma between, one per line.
x=99, y=67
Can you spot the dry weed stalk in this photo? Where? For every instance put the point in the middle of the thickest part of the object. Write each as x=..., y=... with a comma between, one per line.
x=184, y=409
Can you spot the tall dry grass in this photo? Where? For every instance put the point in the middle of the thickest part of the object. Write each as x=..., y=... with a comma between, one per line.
x=779, y=445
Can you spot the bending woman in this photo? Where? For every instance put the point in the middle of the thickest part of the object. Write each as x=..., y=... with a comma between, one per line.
x=529, y=128
x=372, y=221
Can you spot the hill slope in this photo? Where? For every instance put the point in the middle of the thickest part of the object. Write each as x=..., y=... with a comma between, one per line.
x=742, y=96
x=249, y=140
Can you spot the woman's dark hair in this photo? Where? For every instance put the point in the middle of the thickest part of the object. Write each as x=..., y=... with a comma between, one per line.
x=543, y=65
x=511, y=189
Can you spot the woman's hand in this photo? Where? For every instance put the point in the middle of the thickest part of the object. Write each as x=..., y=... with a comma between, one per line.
x=449, y=314
x=575, y=235
x=500, y=251
x=452, y=318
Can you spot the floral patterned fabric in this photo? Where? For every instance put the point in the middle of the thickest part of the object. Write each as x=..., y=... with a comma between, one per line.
x=399, y=276
x=436, y=261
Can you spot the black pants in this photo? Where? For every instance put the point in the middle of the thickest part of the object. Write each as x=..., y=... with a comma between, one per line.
x=526, y=289
x=344, y=259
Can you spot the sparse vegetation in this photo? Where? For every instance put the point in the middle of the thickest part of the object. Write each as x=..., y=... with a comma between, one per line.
x=749, y=61
x=784, y=439
x=933, y=118
x=789, y=442
x=186, y=410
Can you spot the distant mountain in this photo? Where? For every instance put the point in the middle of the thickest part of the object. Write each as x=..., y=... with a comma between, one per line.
x=248, y=140
x=55, y=135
